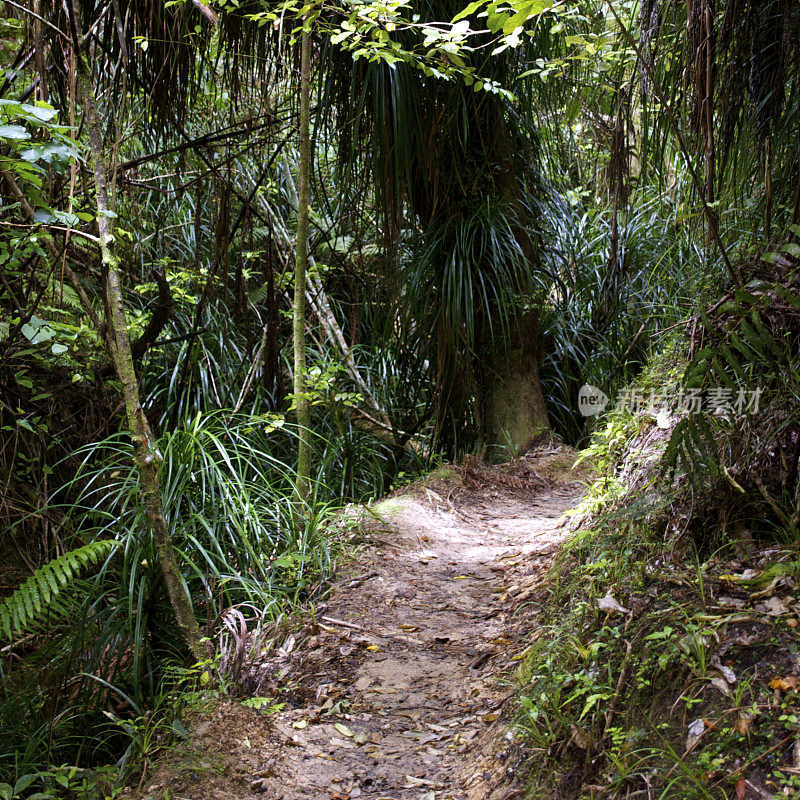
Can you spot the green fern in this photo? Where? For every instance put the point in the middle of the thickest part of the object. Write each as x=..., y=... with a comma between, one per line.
x=67, y=296
x=40, y=592
x=747, y=342
x=259, y=294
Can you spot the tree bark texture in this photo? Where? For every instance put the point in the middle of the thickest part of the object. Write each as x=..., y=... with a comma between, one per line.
x=145, y=453
x=300, y=265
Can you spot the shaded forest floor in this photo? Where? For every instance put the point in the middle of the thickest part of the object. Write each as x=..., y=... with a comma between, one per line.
x=396, y=687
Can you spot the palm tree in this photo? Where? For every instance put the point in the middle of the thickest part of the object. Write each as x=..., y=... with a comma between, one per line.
x=456, y=169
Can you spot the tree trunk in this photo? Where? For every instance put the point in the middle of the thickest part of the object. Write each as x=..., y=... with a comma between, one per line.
x=145, y=453
x=514, y=408
x=300, y=263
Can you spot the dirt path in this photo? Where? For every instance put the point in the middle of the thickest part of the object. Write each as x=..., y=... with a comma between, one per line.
x=398, y=690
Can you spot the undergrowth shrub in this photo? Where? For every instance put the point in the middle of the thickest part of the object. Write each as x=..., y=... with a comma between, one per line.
x=748, y=340
x=672, y=607
x=242, y=540
x=608, y=312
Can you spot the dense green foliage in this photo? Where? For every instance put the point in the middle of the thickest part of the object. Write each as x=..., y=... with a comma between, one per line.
x=626, y=169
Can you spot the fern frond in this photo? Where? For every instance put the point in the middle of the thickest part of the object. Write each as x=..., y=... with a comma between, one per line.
x=40, y=592
x=67, y=296
x=259, y=294
x=746, y=342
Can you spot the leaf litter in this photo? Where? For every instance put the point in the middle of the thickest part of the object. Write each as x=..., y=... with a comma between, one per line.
x=397, y=689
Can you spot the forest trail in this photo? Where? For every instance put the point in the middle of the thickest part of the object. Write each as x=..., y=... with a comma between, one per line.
x=397, y=690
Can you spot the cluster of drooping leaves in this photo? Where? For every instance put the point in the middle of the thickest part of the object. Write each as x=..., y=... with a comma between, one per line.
x=36, y=150
x=34, y=143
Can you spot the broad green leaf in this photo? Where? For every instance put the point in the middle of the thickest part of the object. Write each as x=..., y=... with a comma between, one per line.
x=70, y=220
x=47, y=152
x=42, y=113
x=13, y=132
x=517, y=20
x=24, y=782
x=37, y=330
x=470, y=9
x=496, y=20
x=793, y=249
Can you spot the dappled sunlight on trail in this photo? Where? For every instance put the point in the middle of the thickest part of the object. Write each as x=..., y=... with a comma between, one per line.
x=400, y=689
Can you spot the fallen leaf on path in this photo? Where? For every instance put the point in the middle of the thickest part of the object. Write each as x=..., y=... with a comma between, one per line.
x=413, y=782
x=405, y=626
x=731, y=602
x=609, y=604
x=720, y=683
x=341, y=743
x=434, y=727
x=788, y=684
x=287, y=647
x=696, y=730
x=744, y=721
x=774, y=607
x=727, y=672
x=300, y=724
x=747, y=575
x=343, y=729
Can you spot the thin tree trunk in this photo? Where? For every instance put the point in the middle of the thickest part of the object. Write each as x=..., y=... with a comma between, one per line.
x=300, y=264
x=317, y=299
x=38, y=46
x=146, y=455
x=708, y=116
